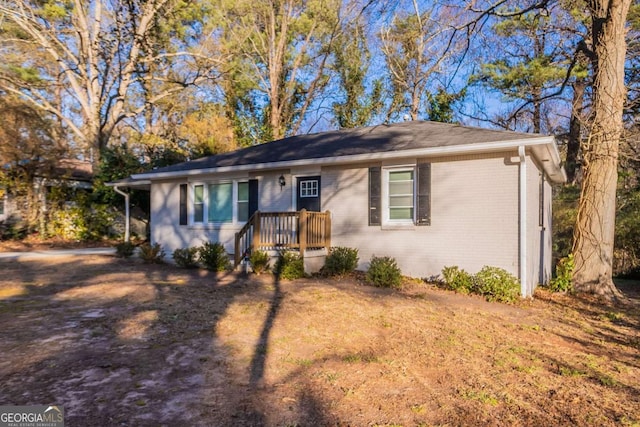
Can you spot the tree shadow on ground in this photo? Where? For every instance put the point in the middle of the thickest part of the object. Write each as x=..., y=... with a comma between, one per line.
x=117, y=342
x=602, y=319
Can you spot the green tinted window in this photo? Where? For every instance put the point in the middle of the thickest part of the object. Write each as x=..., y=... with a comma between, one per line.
x=220, y=202
x=401, y=195
x=198, y=203
x=243, y=201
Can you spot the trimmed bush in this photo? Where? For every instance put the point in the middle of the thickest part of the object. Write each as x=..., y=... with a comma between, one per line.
x=125, y=249
x=384, y=272
x=290, y=266
x=564, y=272
x=152, y=254
x=340, y=261
x=214, y=257
x=496, y=284
x=186, y=258
x=457, y=279
x=259, y=261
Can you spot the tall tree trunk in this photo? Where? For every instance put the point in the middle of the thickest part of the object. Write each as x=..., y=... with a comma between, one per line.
x=537, y=109
x=575, y=130
x=595, y=224
x=275, y=120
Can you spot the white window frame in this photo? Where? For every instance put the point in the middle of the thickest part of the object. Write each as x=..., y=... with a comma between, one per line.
x=386, y=217
x=309, y=188
x=205, y=220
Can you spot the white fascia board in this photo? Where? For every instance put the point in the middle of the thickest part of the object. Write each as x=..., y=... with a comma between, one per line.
x=378, y=155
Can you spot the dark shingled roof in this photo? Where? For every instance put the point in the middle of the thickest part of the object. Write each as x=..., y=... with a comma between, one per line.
x=347, y=142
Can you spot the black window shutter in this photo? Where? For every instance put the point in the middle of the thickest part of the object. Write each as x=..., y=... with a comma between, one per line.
x=375, y=183
x=424, y=194
x=253, y=196
x=183, y=204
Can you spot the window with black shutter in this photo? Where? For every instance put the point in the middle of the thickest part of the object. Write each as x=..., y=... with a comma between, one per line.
x=400, y=195
x=375, y=186
x=253, y=196
x=183, y=204
x=424, y=194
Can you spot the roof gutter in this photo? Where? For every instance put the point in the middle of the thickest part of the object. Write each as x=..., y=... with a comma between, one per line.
x=420, y=152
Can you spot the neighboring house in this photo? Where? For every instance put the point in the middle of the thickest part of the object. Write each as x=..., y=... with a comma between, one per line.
x=429, y=194
x=69, y=173
x=8, y=208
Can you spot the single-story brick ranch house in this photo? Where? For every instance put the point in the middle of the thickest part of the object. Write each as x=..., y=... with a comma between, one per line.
x=428, y=194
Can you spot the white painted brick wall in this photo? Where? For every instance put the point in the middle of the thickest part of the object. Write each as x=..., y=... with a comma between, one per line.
x=474, y=217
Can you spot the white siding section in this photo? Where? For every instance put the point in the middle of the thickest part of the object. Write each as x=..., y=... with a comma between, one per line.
x=272, y=197
x=534, y=231
x=539, y=238
x=474, y=217
x=165, y=211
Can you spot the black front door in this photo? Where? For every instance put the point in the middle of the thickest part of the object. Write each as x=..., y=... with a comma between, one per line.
x=308, y=196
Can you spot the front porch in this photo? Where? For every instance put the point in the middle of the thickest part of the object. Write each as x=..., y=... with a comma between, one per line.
x=274, y=231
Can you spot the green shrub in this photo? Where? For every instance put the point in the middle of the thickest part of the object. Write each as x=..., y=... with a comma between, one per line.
x=152, y=254
x=340, y=261
x=125, y=249
x=259, y=261
x=79, y=219
x=496, y=284
x=214, y=257
x=13, y=230
x=564, y=271
x=384, y=272
x=69, y=224
x=186, y=258
x=290, y=265
x=457, y=279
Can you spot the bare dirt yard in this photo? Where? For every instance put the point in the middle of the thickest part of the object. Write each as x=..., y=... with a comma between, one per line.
x=120, y=343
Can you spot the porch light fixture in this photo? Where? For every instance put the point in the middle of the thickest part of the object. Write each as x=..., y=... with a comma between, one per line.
x=282, y=181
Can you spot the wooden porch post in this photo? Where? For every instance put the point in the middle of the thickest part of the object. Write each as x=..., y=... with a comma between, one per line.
x=255, y=242
x=302, y=231
x=236, y=250
x=327, y=230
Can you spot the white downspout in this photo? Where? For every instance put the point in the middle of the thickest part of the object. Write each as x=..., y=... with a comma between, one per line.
x=524, y=291
x=126, y=212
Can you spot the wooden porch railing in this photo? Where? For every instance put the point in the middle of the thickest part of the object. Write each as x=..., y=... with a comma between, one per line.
x=283, y=230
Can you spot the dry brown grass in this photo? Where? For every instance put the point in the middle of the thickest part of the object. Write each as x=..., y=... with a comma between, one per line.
x=117, y=342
